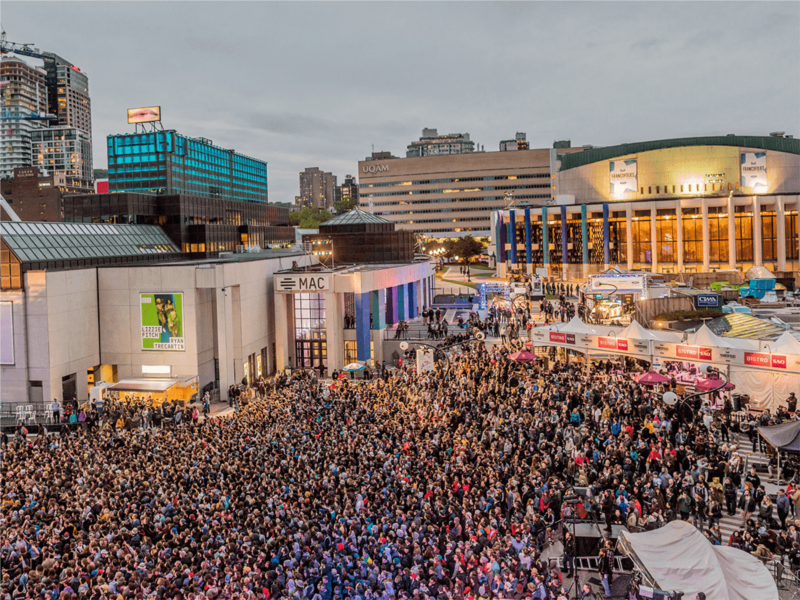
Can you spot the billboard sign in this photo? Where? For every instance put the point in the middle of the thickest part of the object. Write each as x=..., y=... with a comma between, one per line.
x=624, y=282
x=763, y=359
x=707, y=300
x=622, y=175
x=162, y=322
x=754, y=170
x=6, y=333
x=562, y=338
x=147, y=114
x=610, y=343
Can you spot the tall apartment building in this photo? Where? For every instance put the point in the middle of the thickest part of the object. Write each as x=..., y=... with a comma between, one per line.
x=317, y=188
x=348, y=191
x=66, y=146
x=433, y=144
x=24, y=94
x=452, y=196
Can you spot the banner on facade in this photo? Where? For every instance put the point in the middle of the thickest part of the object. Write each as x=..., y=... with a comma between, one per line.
x=622, y=174
x=6, y=333
x=754, y=170
x=162, y=321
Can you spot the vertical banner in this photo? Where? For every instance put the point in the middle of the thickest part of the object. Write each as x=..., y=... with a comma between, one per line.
x=162, y=321
x=754, y=170
x=622, y=174
x=6, y=333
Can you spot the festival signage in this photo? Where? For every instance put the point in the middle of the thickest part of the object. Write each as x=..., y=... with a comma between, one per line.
x=754, y=170
x=162, y=321
x=562, y=338
x=611, y=343
x=764, y=359
x=693, y=352
x=622, y=177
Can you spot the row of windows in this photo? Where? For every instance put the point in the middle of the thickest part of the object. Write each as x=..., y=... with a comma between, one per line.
x=461, y=200
x=715, y=187
x=484, y=219
x=460, y=190
x=458, y=180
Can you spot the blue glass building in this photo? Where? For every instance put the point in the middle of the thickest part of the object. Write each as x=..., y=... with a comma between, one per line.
x=166, y=162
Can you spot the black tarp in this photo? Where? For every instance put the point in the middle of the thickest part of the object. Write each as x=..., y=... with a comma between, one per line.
x=785, y=436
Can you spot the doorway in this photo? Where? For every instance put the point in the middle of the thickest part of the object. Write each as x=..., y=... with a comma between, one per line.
x=311, y=354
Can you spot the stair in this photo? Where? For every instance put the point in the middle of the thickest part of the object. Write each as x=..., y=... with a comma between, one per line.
x=727, y=524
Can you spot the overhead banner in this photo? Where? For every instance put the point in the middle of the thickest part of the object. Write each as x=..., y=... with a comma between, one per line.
x=622, y=283
x=162, y=322
x=754, y=170
x=623, y=176
x=6, y=333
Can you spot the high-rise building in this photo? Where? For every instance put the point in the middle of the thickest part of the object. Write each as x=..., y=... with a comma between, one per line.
x=68, y=100
x=24, y=95
x=433, y=144
x=347, y=193
x=66, y=151
x=518, y=143
x=166, y=162
x=317, y=188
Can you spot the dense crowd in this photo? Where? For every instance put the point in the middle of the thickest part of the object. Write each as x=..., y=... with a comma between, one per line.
x=446, y=484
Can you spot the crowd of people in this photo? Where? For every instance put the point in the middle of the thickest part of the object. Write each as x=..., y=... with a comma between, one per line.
x=446, y=484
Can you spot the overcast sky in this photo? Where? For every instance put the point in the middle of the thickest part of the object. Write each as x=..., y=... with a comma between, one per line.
x=317, y=84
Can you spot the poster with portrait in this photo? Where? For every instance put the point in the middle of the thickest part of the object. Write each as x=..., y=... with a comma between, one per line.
x=162, y=321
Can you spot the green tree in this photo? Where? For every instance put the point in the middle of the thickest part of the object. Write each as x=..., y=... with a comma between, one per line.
x=344, y=206
x=309, y=217
x=467, y=248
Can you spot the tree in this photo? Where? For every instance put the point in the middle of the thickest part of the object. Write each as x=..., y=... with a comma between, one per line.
x=343, y=206
x=467, y=247
x=309, y=217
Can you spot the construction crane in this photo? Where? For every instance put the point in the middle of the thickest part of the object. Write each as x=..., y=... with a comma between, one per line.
x=21, y=49
x=7, y=47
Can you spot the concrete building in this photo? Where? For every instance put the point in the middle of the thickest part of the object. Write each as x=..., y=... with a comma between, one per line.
x=455, y=195
x=681, y=205
x=78, y=302
x=433, y=144
x=347, y=193
x=311, y=306
x=518, y=143
x=35, y=196
x=24, y=94
x=317, y=188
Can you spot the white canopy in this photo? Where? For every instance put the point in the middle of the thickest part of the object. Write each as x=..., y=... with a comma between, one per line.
x=785, y=344
x=634, y=331
x=705, y=337
x=578, y=326
x=680, y=558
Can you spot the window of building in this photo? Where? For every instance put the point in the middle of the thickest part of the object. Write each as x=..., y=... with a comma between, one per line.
x=692, y=236
x=744, y=235
x=350, y=352
x=718, y=236
x=309, y=317
x=642, y=246
x=769, y=242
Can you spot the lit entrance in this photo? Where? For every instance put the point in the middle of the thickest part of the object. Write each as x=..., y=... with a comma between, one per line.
x=311, y=353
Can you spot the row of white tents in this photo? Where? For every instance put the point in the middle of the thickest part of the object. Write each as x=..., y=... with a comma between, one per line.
x=767, y=388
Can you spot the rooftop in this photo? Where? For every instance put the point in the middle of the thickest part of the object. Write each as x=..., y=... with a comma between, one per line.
x=354, y=217
x=45, y=242
x=762, y=142
x=744, y=326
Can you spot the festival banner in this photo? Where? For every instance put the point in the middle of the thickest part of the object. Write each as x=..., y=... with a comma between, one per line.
x=622, y=175
x=754, y=171
x=162, y=321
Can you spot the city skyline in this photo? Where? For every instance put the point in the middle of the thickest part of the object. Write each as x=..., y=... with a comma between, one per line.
x=593, y=75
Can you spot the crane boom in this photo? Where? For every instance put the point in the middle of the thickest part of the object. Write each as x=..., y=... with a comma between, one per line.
x=22, y=49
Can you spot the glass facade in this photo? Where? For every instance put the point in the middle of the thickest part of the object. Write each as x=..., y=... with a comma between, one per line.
x=309, y=317
x=718, y=236
x=168, y=163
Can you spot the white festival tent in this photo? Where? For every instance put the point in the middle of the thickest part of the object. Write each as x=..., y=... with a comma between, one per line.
x=785, y=344
x=579, y=327
x=677, y=557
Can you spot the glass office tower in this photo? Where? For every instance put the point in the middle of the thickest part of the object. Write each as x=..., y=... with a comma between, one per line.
x=166, y=162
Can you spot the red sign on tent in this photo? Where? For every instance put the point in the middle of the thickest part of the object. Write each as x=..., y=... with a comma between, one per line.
x=762, y=359
x=693, y=352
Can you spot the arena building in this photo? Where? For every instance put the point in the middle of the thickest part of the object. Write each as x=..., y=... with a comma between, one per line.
x=681, y=205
